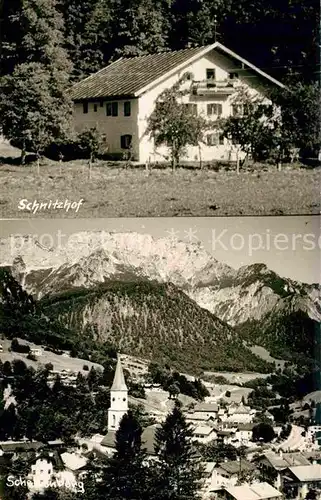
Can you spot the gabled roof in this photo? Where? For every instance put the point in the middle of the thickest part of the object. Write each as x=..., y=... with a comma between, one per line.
x=246, y=427
x=203, y=429
x=22, y=446
x=236, y=466
x=259, y=491
x=286, y=460
x=119, y=383
x=307, y=473
x=132, y=76
x=73, y=461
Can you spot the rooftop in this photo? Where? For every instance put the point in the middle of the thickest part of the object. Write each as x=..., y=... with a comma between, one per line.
x=286, y=459
x=131, y=76
x=236, y=466
x=259, y=491
x=306, y=473
x=73, y=461
x=148, y=438
x=246, y=427
x=21, y=446
x=127, y=76
x=119, y=383
x=205, y=430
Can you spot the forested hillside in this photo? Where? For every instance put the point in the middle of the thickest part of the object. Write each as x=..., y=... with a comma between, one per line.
x=148, y=319
x=281, y=37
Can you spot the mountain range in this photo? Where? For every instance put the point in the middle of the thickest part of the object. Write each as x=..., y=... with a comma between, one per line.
x=165, y=299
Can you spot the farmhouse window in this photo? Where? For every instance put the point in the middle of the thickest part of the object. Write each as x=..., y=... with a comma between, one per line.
x=127, y=108
x=95, y=108
x=85, y=107
x=210, y=74
x=191, y=108
x=125, y=141
x=112, y=109
x=214, y=109
x=215, y=139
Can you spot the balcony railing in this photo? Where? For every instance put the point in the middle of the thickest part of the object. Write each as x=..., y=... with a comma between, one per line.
x=213, y=87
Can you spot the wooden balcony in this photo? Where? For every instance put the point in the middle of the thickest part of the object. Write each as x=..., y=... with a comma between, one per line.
x=213, y=87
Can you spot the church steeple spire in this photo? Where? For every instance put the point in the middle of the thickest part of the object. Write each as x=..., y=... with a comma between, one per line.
x=118, y=398
x=119, y=383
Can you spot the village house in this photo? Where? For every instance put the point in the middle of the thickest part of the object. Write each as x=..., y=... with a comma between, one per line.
x=257, y=491
x=206, y=410
x=273, y=464
x=120, y=98
x=226, y=436
x=204, y=434
x=298, y=480
x=229, y=472
x=240, y=414
x=52, y=469
x=244, y=433
x=67, y=377
x=197, y=419
x=36, y=351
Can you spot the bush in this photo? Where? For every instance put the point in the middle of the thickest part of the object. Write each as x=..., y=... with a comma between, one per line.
x=86, y=368
x=16, y=347
x=32, y=357
x=90, y=143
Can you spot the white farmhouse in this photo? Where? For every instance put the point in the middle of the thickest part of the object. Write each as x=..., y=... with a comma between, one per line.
x=204, y=434
x=120, y=98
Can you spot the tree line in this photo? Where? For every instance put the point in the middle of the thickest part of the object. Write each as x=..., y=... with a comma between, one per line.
x=93, y=32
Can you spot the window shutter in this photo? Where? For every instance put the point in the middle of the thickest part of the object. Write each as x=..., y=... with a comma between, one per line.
x=127, y=108
x=125, y=141
x=108, y=109
x=114, y=108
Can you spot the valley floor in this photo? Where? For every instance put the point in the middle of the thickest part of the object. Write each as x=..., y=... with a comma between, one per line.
x=114, y=191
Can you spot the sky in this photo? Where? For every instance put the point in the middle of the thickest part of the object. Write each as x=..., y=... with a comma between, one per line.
x=289, y=245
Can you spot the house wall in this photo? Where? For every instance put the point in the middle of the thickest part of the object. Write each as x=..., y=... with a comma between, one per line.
x=41, y=473
x=205, y=438
x=241, y=418
x=205, y=414
x=141, y=108
x=219, y=480
x=223, y=67
x=112, y=126
x=243, y=436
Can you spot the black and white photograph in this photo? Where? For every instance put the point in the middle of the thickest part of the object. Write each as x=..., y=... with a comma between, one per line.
x=168, y=358
x=148, y=108
x=160, y=250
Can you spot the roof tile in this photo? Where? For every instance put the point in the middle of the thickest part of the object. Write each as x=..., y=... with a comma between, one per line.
x=114, y=79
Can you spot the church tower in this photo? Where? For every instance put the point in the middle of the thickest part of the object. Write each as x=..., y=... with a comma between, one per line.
x=118, y=398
